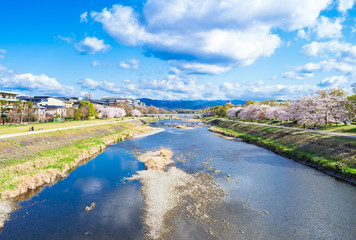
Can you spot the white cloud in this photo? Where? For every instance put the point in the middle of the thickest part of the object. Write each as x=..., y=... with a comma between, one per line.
x=308, y=70
x=334, y=81
x=325, y=28
x=185, y=67
x=65, y=39
x=302, y=34
x=2, y=53
x=348, y=53
x=297, y=75
x=92, y=45
x=132, y=64
x=84, y=17
x=213, y=32
x=263, y=91
x=320, y=48
x=345, y=5
x=174, y=87
x=32, y=83
x=96, y=63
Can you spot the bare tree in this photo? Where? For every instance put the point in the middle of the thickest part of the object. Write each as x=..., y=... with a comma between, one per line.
x=88, y=96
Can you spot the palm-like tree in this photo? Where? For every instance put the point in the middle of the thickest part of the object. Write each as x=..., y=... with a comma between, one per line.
x=3, y=105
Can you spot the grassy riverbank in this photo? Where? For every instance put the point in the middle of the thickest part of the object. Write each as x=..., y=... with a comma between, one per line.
x=338, y=128
x=334, y=154
x=22, y=128
x=28, y=162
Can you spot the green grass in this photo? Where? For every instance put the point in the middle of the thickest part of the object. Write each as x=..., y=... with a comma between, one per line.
x=59, y=157
x=340, y=128
x=349, y=129
x=7, y=129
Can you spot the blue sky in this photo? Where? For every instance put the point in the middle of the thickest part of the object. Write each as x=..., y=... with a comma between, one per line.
x=177, y=49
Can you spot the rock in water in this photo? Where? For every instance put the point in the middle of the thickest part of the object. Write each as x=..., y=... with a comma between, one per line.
x=88, y=208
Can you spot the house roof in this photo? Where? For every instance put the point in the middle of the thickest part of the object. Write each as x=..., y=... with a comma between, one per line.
x=63, y=99
x=8, y=99
x=7, y=92
x=54, y=106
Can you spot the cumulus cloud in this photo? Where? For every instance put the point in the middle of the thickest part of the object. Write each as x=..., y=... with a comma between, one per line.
x=32, y=83
x=327, y=28
x=84, y=17
x=177, y=88
x=132, y=64
x=201, y=33
x=92, y=45
x=185, y=67
x=345, y=5
x=334, y=81
x=2, y=53
x=308, y=70
x=264, y=91
x=302, y=34
x=320, y=48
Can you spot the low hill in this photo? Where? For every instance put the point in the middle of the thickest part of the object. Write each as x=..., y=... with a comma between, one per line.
x=187, y=104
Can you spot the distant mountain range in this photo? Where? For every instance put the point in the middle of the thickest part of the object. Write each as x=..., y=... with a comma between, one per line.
x=187, y=104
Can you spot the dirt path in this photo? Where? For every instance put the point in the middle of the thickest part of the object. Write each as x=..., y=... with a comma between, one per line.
x=300, y=129
x=58, y=129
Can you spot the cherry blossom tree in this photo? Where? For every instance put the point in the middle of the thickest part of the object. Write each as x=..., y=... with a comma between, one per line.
x=254, y=111
x=110, y=112
x=324, y=107
x=136, y=113
x=232, y=112
x=279, y=113
x=208, y=113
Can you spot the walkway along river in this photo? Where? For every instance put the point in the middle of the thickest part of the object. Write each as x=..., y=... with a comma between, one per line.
x=263, y=195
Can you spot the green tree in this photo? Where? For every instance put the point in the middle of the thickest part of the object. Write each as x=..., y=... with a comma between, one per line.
x=78, y=114
x=152, y=110
x=4, y=106
x=70, y=112
x=17, y=113
x=351, y=105
x=87, y=109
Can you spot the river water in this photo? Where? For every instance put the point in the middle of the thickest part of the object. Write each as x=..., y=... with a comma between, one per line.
x=267, y=196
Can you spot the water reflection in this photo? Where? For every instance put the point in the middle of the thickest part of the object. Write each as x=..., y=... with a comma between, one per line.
x=90, y=185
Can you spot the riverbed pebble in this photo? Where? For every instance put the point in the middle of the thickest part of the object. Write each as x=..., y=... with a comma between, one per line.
x=88, y=208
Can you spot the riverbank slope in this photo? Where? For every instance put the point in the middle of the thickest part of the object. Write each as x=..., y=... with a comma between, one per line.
x=29, y=162
x=332, y=154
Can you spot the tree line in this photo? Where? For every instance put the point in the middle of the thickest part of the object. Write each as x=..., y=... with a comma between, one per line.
x=323, y=107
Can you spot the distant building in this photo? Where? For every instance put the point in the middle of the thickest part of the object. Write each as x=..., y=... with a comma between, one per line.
x=52, y=101
x=8, y=96
x=74, y=100
x=40, y=112
x=7, y=103
x=52, y=105
x=115, y=99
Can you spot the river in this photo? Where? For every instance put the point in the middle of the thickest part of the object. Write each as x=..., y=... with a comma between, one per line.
x=267, y=196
